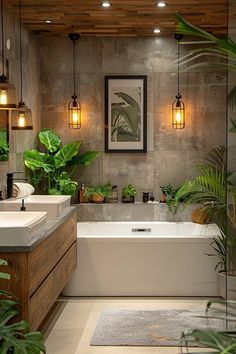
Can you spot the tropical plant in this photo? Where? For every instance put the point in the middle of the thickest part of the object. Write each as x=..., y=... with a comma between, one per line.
x=126, y=119
x=15, y=337
x=4, y=147
x=129, y=191
x=221, y=342
x=213, y=188
x=55, y=167
x=170, y=193
x=224, y=246
x=104, y=190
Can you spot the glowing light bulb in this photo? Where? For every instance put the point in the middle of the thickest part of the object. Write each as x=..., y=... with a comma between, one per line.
x=178, y=117
x=75, y=117
x=3, y=97
x=21, y=120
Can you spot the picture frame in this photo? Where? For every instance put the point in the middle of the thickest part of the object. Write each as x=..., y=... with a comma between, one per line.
x=126, y=113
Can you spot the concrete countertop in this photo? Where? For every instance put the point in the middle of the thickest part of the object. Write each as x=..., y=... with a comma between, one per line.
x=51, y=225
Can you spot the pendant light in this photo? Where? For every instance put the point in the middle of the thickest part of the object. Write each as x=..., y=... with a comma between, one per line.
x=178, y=107
x=6, y=88
x=74, y=109
x=22, y=118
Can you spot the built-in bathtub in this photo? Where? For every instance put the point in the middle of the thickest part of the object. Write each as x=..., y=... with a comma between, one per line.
x=144, y=259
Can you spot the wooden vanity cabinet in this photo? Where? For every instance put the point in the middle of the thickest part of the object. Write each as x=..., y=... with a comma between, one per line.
x=38, y=276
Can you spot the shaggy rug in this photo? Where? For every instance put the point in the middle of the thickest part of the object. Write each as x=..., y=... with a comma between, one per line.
x=148, y=328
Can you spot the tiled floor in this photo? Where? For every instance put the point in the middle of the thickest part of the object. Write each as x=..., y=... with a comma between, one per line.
x=71, y=324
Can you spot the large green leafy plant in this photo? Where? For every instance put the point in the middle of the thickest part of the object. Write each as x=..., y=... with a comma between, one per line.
x=15, y=337
x=213, y=188
x=208, y=186
x=55, y=167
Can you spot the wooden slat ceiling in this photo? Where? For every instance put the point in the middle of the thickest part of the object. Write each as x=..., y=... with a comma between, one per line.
x=123, y=18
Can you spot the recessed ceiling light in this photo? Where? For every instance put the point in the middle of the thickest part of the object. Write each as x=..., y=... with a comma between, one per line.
x=105, y=4
x=161, y=4
x=48, y=21
x=156, y=30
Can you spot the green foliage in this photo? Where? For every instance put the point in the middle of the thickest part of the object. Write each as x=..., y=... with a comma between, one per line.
x=211, y=189
x=225, y=48
x=4, y=147
x=129, y=191
x=221, y=342
x=103, y=190
x=170, y=192
x=15, y=337
x=54, y=168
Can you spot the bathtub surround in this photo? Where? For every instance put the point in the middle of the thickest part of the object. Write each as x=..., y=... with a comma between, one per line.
x=131, y=212
x=143, y=259
x=171, y=154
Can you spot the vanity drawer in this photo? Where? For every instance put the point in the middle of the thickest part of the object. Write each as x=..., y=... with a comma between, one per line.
x=44, y=257
x=43, y=299
x=41, y=302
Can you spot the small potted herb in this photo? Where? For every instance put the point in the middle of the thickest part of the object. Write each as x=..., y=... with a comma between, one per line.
x=97, y=194
x=128, y=194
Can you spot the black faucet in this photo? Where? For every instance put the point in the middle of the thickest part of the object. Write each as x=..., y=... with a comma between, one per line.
x=10, y=180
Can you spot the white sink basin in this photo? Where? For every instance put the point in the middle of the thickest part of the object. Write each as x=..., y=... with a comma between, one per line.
x=21, y=228
x=54, y=205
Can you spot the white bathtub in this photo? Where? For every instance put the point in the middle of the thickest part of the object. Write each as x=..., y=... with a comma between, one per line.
x=144, y=259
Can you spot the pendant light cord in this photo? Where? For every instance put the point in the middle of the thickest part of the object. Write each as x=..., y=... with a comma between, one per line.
x=74, y=67
x=178, y=67
x=21, y=75
x=3, y=50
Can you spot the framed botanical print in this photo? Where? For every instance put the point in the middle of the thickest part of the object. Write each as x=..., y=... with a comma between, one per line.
x=125, y=113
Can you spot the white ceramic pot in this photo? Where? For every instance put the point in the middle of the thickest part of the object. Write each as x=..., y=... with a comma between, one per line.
x=231, y=286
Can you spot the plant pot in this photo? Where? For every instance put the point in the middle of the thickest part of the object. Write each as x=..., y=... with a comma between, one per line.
x=97, y=198
x=231, y=286
x=163, y=198
x=200, y=216
x=127, y=199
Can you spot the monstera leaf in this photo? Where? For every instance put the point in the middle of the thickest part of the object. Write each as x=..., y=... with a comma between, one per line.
x=66, y=153
x=36, y=160
x=50, y=139
x=84, y=159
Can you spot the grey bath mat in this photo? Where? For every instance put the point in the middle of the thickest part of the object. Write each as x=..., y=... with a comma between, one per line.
x=147, y=328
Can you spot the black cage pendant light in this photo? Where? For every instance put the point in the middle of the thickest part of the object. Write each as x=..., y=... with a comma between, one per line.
x=22, y=118
x=7, y=90
x=74, y=108
x=178, y=107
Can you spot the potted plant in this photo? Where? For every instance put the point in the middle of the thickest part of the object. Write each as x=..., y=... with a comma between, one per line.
x=128, y=194
x=214, y=190
x=169, y=197
x=15, y=337
x=53, y=170
x=97, y=194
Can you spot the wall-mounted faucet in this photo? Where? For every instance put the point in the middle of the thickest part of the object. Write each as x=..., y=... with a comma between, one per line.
x=10, y=181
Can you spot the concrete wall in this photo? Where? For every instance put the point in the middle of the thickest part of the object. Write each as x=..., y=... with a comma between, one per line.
x=22, y=140
x=171, y=154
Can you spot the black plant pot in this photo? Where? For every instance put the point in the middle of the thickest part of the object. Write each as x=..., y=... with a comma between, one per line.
x=129, y=199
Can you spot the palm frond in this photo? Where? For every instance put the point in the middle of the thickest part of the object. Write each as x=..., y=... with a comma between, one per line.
x=226, y=44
